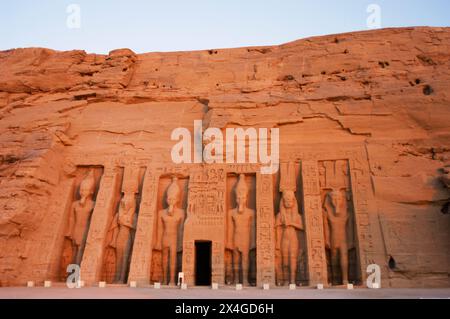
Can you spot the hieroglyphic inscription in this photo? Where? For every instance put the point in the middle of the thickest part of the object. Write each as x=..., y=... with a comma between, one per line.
x=142, y=253
x=314, y=223
x=265, y=237
x=362, y=195
x=206, y=197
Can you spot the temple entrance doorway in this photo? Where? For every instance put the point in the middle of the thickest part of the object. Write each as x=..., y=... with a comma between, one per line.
x=202, y=263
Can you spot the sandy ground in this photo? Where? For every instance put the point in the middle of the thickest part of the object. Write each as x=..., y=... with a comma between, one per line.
x=226, y=293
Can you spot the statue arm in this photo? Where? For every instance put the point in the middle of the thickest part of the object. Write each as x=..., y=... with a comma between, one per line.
x=253, y=230
x=278, y=232
x=114, y=227
x=71, y=221
x=229, y=234
x=297, y=222
x=180, y=231
x=326, y=226
x=159, y=232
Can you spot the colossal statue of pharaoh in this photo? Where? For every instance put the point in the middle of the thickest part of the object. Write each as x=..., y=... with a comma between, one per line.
x=336, y=220
x=80, y=214
x=169, y=236
x=240, y=233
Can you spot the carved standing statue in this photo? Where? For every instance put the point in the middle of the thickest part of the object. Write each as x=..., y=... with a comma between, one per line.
x=337, y=217
x=80, y=214
x=122, y=228
x=240, y=235
x=287, y=225
x=170, y=232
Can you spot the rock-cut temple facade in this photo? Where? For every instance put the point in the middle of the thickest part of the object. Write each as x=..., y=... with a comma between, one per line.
x=87, y=176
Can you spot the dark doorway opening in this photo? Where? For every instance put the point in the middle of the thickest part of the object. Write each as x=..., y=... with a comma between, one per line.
x=202, y=263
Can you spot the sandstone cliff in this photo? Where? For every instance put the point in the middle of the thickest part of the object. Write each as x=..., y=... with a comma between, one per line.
x=387, y=90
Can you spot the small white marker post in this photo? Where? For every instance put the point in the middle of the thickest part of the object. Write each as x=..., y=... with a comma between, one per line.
x=102, y=284
x=292, y=287
x=266, y=286
x=47, y=284
x=133, y=284
x=375, y=285
x=214, y=286
x=349, y=286
x=238, y=286
x=157, y=285
x=180, y=278
x=320, y=286
x=183, y=286
x=30, y=284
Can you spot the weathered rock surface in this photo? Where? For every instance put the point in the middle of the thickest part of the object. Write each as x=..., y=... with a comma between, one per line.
x=386, y=91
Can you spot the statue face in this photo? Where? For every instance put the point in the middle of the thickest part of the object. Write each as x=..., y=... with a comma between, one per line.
x=84, y=194
x=241, y=200
x=288, y=199
x=171, y=201
x=336, y=199
x=127, y=201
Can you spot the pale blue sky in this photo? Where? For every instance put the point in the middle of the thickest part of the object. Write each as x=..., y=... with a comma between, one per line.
x=166, y=25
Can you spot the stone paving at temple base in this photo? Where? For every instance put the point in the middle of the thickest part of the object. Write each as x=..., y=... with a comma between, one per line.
x=226, y=293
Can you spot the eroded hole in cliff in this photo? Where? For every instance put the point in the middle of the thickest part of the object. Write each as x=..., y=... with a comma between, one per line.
x=428, y=90
x=392, y=264
x=88, y=73
x=288, y=78
x=446, y=208
x=9, y=159
x=426, y=60
x=84, y=96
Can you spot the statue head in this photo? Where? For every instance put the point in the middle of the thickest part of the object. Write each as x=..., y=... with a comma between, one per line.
x=87, y=187
x=173, y=194
x=127, y=200
x=288, y=199
x=336, y=200
x=241, y=193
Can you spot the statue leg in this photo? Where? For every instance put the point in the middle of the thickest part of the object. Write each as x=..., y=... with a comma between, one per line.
x=279, y=270
x=228, y=266
x=285, y=260
x=245, y=267
x=334, y=262
x=236, y=256
x=119, y=261
x=343, y=252
x=125, y=254
x=77, y=255
x=293, y=255
x=173, y=264
x=165, y=260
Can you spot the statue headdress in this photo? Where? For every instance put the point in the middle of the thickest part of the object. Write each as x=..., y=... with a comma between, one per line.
x=241, y=186
x=174, y=189
x=88, y=182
